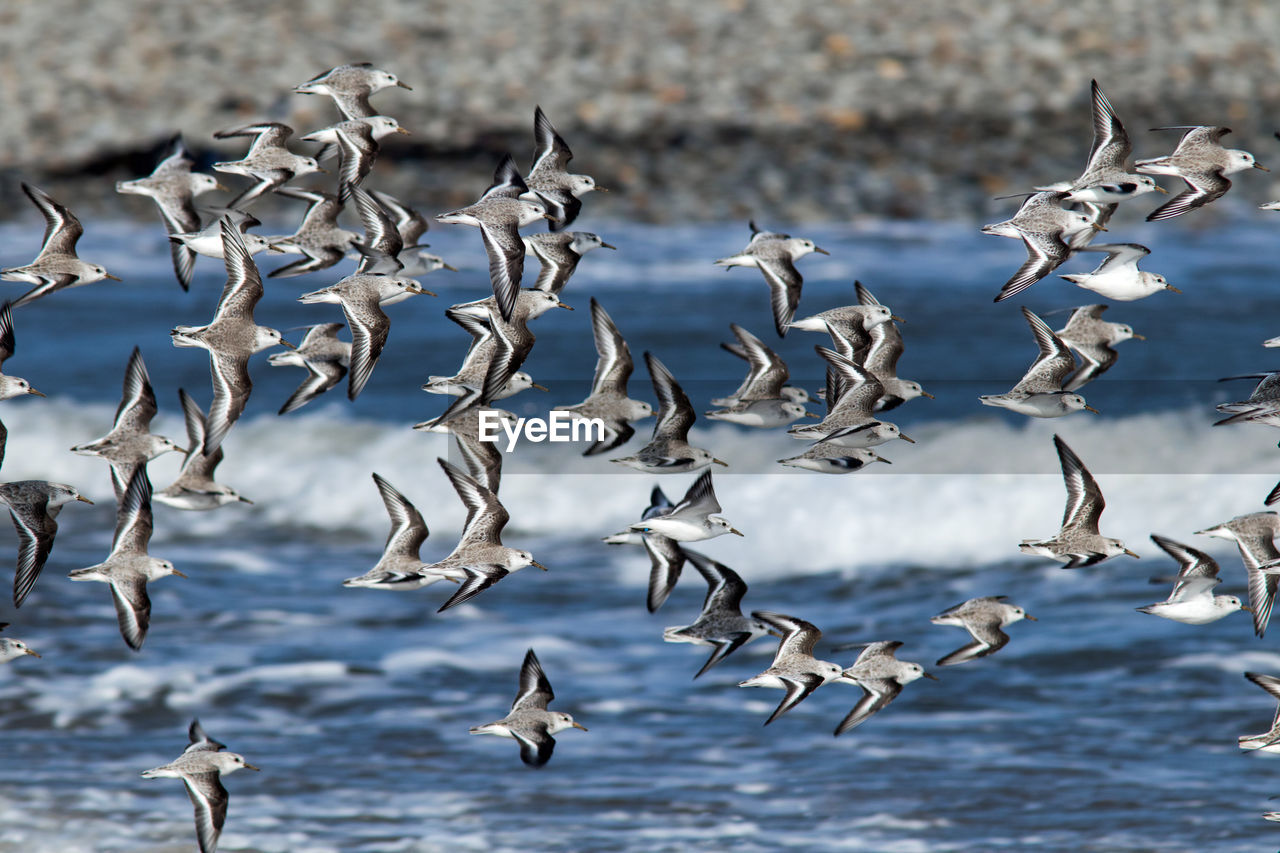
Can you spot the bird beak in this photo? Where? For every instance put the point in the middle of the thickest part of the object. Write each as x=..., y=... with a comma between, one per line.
x=735, y=531
x=34, y=654
x=579, y=726
x=1098, y=227
x=34, y=391
x=1138, y=337
x=1246, y=608
x=719, y=462
x=821, y=250
x=178, y=573
x=930, y=676
x=601, y=189
x=808, y=414
x=1160, y=189
x=1029, y=616
x=449, y=267
x=906, y=439
x=1260, y=166
x=287, y=345
x=112, y=277
x=84, y=499
x=927, y=394
x=1092, y=409
x=882, y=459
x=539, y=565
x=421, y=291
x=1171, y=287
x=539, y=387
x=404, y=85
x=565, y=307
x=402, y=130
x=548, y=217
x=323, y=171
x=897, y=318
x=248, y=766
x=243, y=498
x=1131, y=554
x=273, y=248
x=607, y=246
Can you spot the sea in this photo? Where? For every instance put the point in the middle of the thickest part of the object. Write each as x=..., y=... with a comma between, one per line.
x=1098, y=728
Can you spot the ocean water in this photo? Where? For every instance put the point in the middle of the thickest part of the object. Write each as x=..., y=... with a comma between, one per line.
x=1096, y=728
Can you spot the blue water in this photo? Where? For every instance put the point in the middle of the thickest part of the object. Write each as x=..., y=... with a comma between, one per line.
x=1097, y=728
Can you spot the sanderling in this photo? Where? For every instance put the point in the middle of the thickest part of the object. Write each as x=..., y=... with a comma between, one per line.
x=1263, y=405
x=760, y=400
x=1118, y=276
x=550, y=179
x=794, y=668
x=11, y=386
x=173, y=186
x=11, y=649
x=1268, y=741
x=57, y=266
x=721, y=623
x=414, y=258
x=360, y=296
x=608, y=399
x=1078, y=542
x=195, y=489
x=1192, y=600
x=201, y=768
x=559, y=252
x=128, y=568
x=775, y=256
x=1254, y=535
x=350, y=87
x=1105, y=179
x=319, y=238
x=849, y=326
x=767, y=373
x=1039, y=393
x=695, y=518
x=881, y=359
x=1093, y=339
x=34, y=506
x=397, y=568
x=851, y=396
x=827, y=458
x=1202, y=162
x=499, y=214
x=881, y=676
x=480, y=559
x=666, y=557
x=1048, y=231
x=269, y=162
x=669, y=451
x=130, y=444
x=530, y=723
x=323, y=356
x=230, y=339
x=982, y=618
x=357, y=143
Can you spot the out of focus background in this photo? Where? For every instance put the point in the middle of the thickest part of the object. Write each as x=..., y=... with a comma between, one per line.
x=689, y=110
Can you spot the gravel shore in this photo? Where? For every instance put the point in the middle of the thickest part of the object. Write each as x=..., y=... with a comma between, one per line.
x=787, y=110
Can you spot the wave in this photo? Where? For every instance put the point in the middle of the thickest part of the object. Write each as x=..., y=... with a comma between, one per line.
x=963, y=496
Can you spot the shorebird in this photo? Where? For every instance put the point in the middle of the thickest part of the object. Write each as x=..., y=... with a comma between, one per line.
x=173, y=187
x=201, y=768
x=1078, y=542
x=721, y=624
x=230, y=339
x=128, y=568
x=530, y=723
x=550, y=179
x=775, y=256
x=195, y=489
x=57, y=267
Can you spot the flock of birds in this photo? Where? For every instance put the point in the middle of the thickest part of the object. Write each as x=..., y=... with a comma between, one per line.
x=861, y=385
